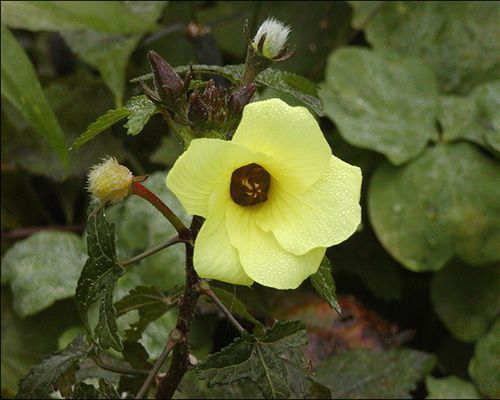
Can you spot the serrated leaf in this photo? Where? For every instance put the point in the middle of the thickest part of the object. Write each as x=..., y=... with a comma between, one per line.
x=450, y=387
x=141, y=109
x=99, y=275
x=466, y=299
x=259, y=359
x=324, y=284
x=38, y=276
x=150, y=302
x=21, y=87
x=484, y=367
x=108, y=16
x=458, y=39
x=99, y=125
x=41, y=380
x=138, y=110
x=297, y=86
x=381, y=101
x=368, y=374
x=234, y=305
x=442, y=204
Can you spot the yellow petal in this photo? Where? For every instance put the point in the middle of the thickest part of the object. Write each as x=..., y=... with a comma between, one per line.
x=290, y=136
x=214, y=255
x=204, y=165
x=326, y=214
x=261, y=256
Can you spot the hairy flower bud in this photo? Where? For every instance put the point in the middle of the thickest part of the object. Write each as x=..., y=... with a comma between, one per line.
x=168, y=84
x=109, y=181
x=271, y=39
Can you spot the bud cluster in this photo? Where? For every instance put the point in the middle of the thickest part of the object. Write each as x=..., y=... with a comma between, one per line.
x=218, y=108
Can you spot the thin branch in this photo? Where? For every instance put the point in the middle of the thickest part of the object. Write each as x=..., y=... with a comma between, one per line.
x=152, y=251
x=174, y=338
x=205, y=288
x=21, y=233
x=139, y=190
x=119, y=369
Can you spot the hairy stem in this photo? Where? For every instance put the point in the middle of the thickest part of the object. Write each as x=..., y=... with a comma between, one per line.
x=187, y=304
x=139, y=190
x=205, y=288
x=173, y=339
x=152, y=251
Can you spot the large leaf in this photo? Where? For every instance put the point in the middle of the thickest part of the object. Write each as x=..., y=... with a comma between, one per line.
x=378, y=375
x=41, y=380
x=443, y=203
x=109, y=53
x=105, y=16
x=138, y=110
x=324, y=284
x=451, y=387
x=42, y=269
x=466, y=299
x=484, y=367
x=474, y=118
x=458, y=39
x=21, y=87
x=261, y=360
x=98, y=278
x=381, y=101
x=150, y=302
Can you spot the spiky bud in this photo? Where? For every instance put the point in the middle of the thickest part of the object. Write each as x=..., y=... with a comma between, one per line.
x=109, y=181
x=271, y=39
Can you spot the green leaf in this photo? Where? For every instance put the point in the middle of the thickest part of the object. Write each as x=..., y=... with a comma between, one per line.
x=282, y=81
x=450, y=387
x=442, y=204
x=364, y=11
x=108, y=390
x=259, y=359
x=100, y=124
x=98, y=278
x=21, y=87
x=42, y=269
x=150, y=302
x=324, y=284
x=484, y=367
x=110, y=53
x=381, y=101
x=367, y=374
x=466, y=299
x=108, y=16
x=474, y=118
x=234, y=305
x=458, y=39
x=136, y=355
x=41, y=380
x=141, y=109
x=138, y=110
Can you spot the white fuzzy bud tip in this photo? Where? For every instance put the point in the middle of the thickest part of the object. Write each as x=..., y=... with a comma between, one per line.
x=275, y=40
x=109, y=181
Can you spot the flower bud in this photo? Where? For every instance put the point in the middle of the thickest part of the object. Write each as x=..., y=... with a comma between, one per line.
x=109, y=181
x=271, y=39
x=168, y=84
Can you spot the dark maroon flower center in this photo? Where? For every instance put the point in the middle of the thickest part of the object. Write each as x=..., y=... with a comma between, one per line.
x=250, y=185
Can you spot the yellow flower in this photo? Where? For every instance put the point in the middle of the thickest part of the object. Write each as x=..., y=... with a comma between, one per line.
x=109, y=181
x=274, y=198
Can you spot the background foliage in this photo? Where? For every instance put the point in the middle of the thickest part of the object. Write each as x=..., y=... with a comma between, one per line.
x=408, y=91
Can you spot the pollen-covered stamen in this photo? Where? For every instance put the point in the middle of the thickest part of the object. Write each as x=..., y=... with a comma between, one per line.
x=250, y=185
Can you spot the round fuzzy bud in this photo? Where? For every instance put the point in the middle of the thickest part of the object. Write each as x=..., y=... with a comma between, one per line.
x=109, y=181
x=271, y=38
